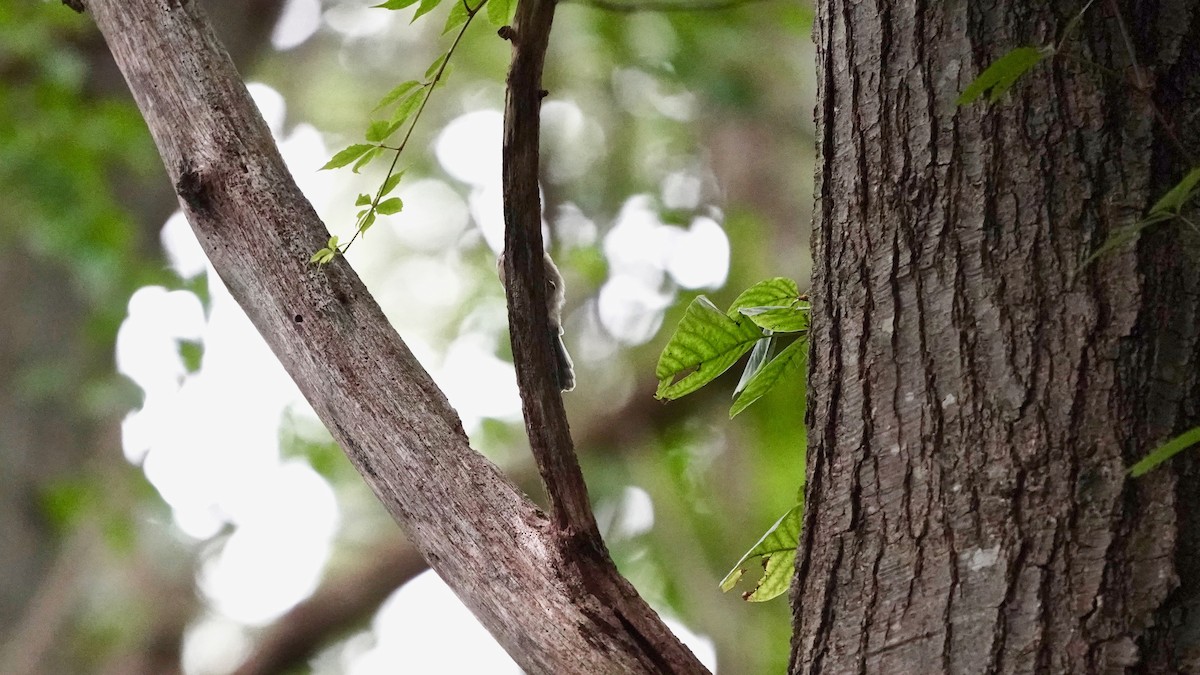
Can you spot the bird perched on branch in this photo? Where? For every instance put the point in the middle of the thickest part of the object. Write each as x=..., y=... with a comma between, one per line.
x=556, y=295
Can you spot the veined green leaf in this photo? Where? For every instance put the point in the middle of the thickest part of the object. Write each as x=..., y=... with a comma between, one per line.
x=425, y=7
x=389, y=206
x=347, y=155
x=777, y=292
x=391, y=183
x=395, y=4
x=458, y=16
x=1002, y=74
x=367, y=223
x=705, y=344
x=401, y=90
x=367, y=158
x=405, y=110
x=435, y=66
x=500, y=12
x=363, y=200
x=1166, y=451
x=777, y=548
x=789, y=363
x=379, y=130
x=1179, y=195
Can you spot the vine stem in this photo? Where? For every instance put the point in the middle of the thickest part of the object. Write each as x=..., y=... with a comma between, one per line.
x=437, y=77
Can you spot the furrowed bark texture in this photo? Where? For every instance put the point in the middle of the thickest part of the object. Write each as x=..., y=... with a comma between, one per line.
x=492, y=546
x=976, y=393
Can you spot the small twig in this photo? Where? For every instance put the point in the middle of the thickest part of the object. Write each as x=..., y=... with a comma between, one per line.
x=663, y=5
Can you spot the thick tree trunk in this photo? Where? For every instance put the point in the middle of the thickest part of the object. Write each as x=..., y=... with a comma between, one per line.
x=976, y=392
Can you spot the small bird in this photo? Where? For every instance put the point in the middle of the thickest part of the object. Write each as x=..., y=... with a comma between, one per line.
x=556, y=296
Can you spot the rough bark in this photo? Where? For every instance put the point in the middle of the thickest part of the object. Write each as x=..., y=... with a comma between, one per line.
x=976, y=392
x=492, y=546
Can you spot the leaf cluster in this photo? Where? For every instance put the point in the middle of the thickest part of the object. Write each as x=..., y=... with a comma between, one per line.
x=708, y=342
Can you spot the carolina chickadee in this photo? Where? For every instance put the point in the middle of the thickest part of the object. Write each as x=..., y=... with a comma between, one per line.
x=556, y=295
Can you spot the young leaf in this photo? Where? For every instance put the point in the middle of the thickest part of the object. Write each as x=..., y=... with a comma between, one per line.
x=400, y=91
x=379, y=130
x=777, y=548
x=390, y=184
x=792, y=319
x=321, y=257
x=367, y=223
x=389, y=206
x=1166, y=451
x=347, y=155
x=436, y=65
x=405, y=109
x=395, y=4
x=363, y=200
x=366, y=158
x=789, y=363
x=758, y=359
x=777, y=292
x=1179, y=195
x=500, y=12
x=333, y=242
x=705, y=344
x=1002, y=74
x=425, y=7
x=458, y=16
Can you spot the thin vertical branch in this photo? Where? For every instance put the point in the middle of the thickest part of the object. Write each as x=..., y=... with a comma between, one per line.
x=533, y=353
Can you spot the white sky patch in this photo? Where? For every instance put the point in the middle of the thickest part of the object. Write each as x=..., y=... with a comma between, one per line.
x=431, y=640
x=477, y=383
x=213, y=645
x=573, y=141
x=183, y=251
x=469, y=147
x=297, y=22
x=279, y=547
x=700, y=257
x=630, y=310
x=628, y=517
x=270, y=104
x=433, y=218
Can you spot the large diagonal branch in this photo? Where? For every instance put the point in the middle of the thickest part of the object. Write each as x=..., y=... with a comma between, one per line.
x=493, y=547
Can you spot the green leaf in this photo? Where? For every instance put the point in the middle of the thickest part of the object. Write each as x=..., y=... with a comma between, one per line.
x=1002, y=74
x=333, y=242
x=435, y=66
x=347, y=155
x=789, y=363
x=1124, y=235
x=395, y=4
x=405, y=109
x=777, y=292
x=1166, y=451
x=363, y=200
x=401, y=90
x=425, y=7
x=321, y=257
x=777, y=548
x=367, y=223
x=458, y=16
x=1176, y=197
x=758, y=359
x=500, y=12
x=367, y=158
x=390, y=184
x=792, y=319
x=389, y=206
x=379, y=130
x=705, y=344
